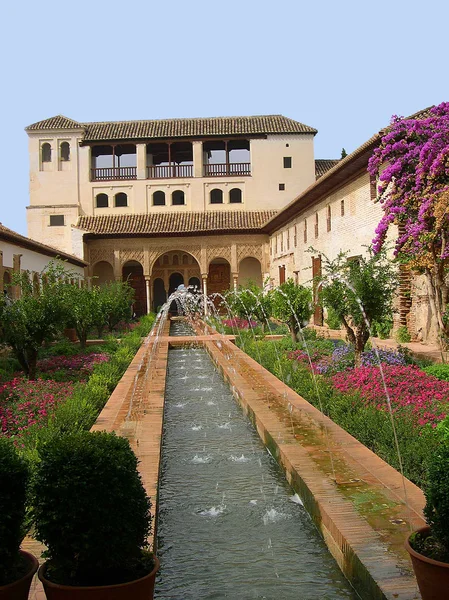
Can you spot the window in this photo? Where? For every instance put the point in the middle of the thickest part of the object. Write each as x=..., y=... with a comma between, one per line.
x=102, y=200
x=276, y=245
x=281, y=187
x=288, y=239
x=295, y=236
x=175, y=259
x=316, y=225
x=65, y=151
x=287, y=162
x=329, y=218
x=178, y=198
x=56, y=220
x=342, y=208
x=305, y=231
x=282, y=242
x=216, y=197
x=121, y=199
x=281, y=274
x=159, y=198
x=46, y=152
x=235, y=196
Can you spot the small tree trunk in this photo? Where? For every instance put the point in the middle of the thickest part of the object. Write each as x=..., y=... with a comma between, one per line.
x=32, y=362
x=293, y=326
x=22, y=361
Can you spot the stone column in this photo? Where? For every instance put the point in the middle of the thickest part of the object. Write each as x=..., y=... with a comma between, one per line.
x=148, y=290
x=197, y=148
x=235, y=279
x=204, y=277
x=141, y=150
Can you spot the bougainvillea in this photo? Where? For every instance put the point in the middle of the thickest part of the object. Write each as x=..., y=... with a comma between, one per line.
x=410, y=389
x=412, y=166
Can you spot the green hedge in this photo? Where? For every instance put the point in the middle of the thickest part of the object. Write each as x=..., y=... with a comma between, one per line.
x=81, y=410
x=438, y=371
x=369, y=425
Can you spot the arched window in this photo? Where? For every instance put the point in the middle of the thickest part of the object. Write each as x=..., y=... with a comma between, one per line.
x=175, y=259
x=185, y=259
x=121, y=199
x=216, y=197
x=235, y=196
x=165, y=260
x=46, y=152
x=178, y=198
x=159, y=198
x=65, y=151
x=102, y=201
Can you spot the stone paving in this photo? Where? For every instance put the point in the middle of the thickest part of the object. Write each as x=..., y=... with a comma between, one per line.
x=356, y=500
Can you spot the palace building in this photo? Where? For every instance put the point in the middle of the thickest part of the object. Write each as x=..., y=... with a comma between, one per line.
x=213, y=202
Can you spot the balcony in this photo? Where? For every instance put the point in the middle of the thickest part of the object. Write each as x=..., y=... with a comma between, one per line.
x=225, y=169
x=169, y=171
x=113, y=173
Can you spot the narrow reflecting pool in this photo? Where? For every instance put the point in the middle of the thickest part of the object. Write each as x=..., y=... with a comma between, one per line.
x=229, y=524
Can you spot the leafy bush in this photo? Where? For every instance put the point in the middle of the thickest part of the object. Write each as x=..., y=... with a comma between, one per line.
x=13, y=486
x=403, y=335
x=436, y=510
x=87, y=486
x=332, y=320
x=382, y=329
x=439, y=371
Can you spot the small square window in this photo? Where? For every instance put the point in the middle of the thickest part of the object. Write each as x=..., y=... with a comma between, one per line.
x=281, y=187
x=342, y=208
x=287, y=162
x=56, y=220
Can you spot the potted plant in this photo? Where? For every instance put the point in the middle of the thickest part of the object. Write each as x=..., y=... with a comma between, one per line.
x=92, y=513
x=16, y=566
x=429, y=546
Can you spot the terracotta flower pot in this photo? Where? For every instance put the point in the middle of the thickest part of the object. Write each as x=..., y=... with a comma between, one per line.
x=139, y=589
x=18, y=590
x=432, y=575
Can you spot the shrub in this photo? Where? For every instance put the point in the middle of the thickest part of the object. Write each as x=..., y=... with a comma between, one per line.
x=87, y=486
x=402, y=335
x=436, y=510
x=332, y=320
x=13, y=485
x=438, y=371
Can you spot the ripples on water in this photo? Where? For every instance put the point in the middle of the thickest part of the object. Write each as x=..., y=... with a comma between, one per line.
x=229, y=525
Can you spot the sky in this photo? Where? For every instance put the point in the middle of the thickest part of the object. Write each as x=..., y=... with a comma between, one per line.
x=342, y=67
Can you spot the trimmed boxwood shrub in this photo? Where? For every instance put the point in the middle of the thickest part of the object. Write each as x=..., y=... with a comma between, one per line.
x=438, y=371
x=13, y=489
x=91, y=510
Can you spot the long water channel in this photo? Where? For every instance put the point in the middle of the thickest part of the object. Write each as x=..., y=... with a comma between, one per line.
x=229, y=524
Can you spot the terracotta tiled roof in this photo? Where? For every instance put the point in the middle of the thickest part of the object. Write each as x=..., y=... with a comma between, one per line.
x=186, y=223
x=58, y=122
x=15, y=238
x=322, y=165
x=178, y=128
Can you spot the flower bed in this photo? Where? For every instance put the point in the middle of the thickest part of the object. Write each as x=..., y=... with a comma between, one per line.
x=237, y=323
x=24, y=403
x=79, y=366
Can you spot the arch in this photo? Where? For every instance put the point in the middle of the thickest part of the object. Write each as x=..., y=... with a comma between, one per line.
x=235, y=196
x=159, y=293
x=175, y=260
x=102, y=200
x=132, y=271
x=195, y=282
x=175, y=280
x=250, y=270
x=163, y=259
x=46, y=152
x=216, y=196
x=185, y=259
x=178, y=198
x=7, y=289
x=121, y=200
x=103, y=272
x=64, y=151
x=159, y=198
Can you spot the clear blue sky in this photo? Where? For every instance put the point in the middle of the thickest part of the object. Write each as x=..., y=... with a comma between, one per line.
x=342, y=67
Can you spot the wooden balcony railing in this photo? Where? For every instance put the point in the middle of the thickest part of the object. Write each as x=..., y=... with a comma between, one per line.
x=113, y=173
x=169, y=171
x=223, y=169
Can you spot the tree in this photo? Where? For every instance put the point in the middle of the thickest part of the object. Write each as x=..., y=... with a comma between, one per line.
x=116, y=299
x=292, y=305
x=412, y=166
x=359, y=292
x=86, y=310
x=344, y=154
x=37, y=316
x=250, y=301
